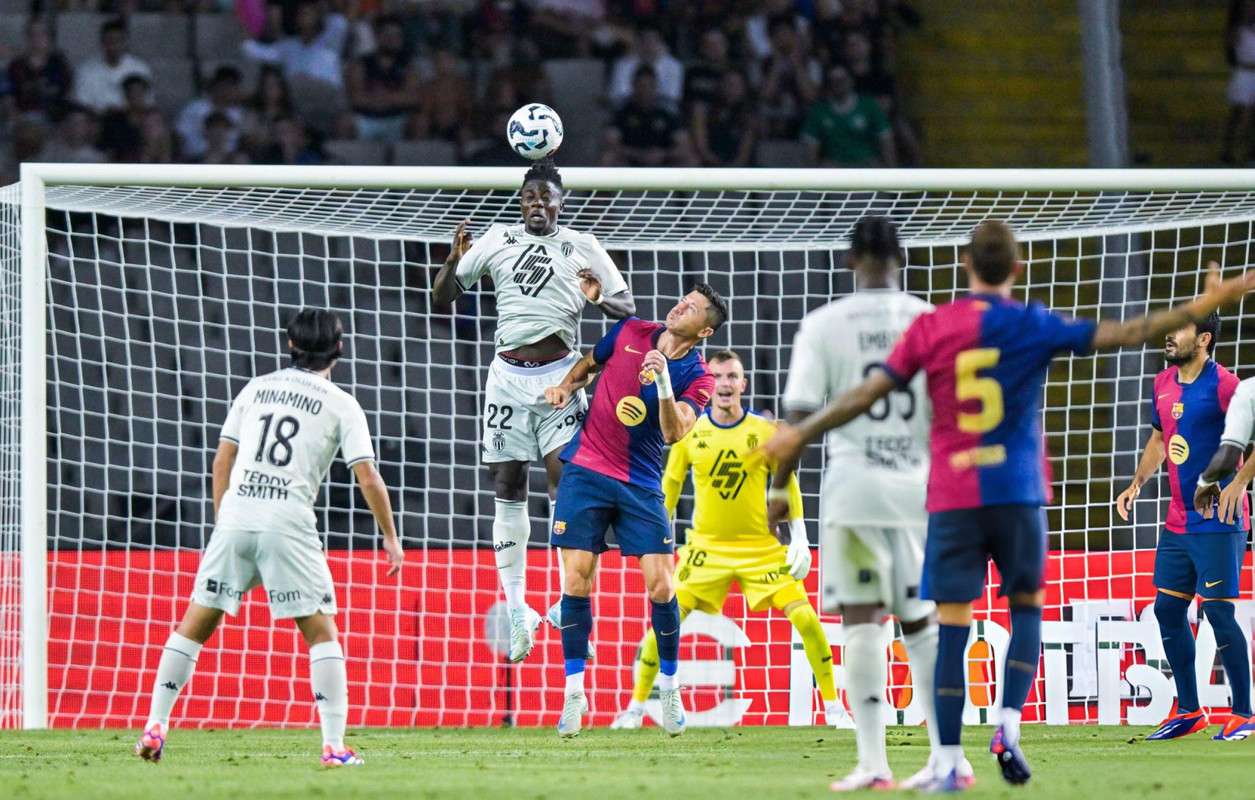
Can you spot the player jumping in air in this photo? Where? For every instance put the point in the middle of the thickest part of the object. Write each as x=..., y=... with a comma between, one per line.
x=730, y=540
x=543, y=274
x=872, y=518
x=1198, y=553
x=280, y=436
x=985, y=357
x=653, y=386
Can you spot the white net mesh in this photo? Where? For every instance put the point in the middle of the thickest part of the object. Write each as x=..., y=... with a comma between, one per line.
x=10, y=417
x=164, y=301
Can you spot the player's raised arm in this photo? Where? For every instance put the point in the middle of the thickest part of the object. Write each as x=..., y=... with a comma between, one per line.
x=615, y=306
x=675, y=418
x=224, y=462
x=445, y=288
x=1152, y=327
x=376, y=493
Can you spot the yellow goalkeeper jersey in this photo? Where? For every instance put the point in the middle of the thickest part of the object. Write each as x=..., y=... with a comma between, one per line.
x=729, y=504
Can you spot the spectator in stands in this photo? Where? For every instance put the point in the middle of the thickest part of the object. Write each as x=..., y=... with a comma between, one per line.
x=447, y=100
x=74, y=142
x=223, y=97
x=846, y=129
x=25, y=143
x=271, y=102
x=220, y=136
x=877, y=83
x=39, y=78
x=293, y=144
x=122, y=129
x=648, y=50
x=725, y=128
x=494, y=151
x=565, y=28
x=702, y=78
x=98, y=84
x=1241, y=87
x=791, y=79
x=158, y=142
x=312, y=53
x=383, y=87
x=645, y=133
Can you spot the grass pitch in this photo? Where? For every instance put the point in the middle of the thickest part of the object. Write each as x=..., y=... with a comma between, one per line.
x=1099, y=763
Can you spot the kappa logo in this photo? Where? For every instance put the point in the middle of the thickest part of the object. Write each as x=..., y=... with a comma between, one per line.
x=327, y=598
x=559, y=527
x=1177, y=410
x=509, y=238
x=702, y=445
x=171, y=685
x=631, y=411
x=567, y=249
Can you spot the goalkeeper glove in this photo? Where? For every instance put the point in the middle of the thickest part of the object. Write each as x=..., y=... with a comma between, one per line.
x=798, y=557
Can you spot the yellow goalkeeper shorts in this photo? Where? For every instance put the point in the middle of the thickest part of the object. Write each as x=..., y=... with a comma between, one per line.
x=705, y=574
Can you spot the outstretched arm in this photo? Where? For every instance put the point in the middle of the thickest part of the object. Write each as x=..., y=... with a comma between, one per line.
x=445, y=289
x=1153, y=327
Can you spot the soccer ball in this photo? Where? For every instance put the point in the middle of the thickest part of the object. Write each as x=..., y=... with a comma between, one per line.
x=535, y=131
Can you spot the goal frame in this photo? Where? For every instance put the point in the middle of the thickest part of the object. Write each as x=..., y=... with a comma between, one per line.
x=36, y=178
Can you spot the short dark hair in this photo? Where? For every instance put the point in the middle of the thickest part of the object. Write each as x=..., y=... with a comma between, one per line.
x=115, y=24
x=993, y=251
x=1209, y=324
x=316, y=335
x=876, y=238
x=719, y=356
x=644, y=71
x=717, y=314
x=544, y=170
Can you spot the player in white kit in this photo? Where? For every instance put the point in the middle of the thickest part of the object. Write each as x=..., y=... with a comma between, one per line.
x=543, y=274
x=279, y=439
x=872, y=518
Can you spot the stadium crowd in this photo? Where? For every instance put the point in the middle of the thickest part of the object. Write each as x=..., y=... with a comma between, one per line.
x=683, y=82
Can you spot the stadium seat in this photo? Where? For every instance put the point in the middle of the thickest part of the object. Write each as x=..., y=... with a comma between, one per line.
x=159, y=36
x=78, y=35
x=317, y=102
x=354, y=151
x=782, y=153
x=424, y=153
x=174, y=83
x=215, y=36
x=12, y=28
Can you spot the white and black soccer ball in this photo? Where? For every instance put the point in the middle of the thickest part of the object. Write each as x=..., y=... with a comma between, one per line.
x=535, y=131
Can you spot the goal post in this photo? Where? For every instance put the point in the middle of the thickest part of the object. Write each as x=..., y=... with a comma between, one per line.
x=136, y=299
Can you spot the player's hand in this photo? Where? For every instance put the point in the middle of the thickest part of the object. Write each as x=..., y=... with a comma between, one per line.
x=557, y=396
x=783, y=445
x=1231, y=500
x=1225, y=293
x=655, y=362
x=1124, y=503
x=394, y=553
x=590, y=285
x=1205, y=500
x=798, y=557
x=462, y=241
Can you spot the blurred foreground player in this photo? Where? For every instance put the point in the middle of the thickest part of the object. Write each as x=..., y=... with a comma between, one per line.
x=281, y=434
x=653, y=385
x=730, y=539
x=985, y=357
x=1196, y=552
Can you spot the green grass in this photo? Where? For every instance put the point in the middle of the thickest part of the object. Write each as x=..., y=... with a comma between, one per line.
x=745, y=763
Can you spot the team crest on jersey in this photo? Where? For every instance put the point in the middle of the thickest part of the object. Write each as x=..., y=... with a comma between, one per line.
x=559, y=527
x=567, y=249
x=646, y=377
x=1178, y=449
x=631, y=411
x=533, y=270
x=1177, y=410
x=498, y=440
x=751, y=441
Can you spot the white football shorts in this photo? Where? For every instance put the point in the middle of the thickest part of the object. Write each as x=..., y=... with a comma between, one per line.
x=871, y=565
x=518, y=425
x=291, y=567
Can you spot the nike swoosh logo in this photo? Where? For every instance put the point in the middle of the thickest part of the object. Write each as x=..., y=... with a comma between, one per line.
x=668, y=541
x=1162, y=396
x=629, y=348
x=666, y=633
x=1213, y=583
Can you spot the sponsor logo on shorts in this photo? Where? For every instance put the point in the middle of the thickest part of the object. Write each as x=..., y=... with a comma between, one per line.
x=327, y=599
x=559, y=528
x=283, y=596
x=1178, y=449
x=631, y=411
x=220, y=587
x=502, y=546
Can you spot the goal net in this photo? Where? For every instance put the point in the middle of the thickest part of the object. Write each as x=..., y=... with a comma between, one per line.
x=164, y=290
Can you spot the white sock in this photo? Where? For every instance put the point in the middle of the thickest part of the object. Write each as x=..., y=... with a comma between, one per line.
x=1010, y=721
x=330, y=681
x=511, y=529
x=636, y=706
x=575, y=682
x=949, y=756
x=666, y=682
x=921, y=650
x=866, y=679
x=833, y=709
x=174, y=670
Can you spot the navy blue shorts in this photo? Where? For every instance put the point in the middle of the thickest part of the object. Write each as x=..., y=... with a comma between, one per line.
x=589, y=503
x=961, y=542
x=1204, y=564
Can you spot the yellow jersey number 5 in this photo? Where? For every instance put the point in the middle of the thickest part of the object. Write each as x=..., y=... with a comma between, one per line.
x=970, y=386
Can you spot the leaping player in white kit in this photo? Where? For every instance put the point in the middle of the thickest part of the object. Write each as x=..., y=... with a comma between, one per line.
x=280, y=436
x=542, y=274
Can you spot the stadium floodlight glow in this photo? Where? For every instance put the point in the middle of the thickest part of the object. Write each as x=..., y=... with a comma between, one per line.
x=135, y=299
